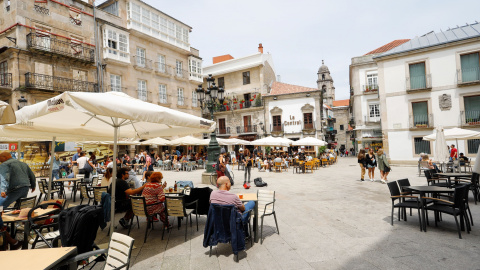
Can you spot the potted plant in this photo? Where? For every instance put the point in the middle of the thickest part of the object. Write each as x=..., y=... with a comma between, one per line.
x=242, y=101
x=258, y=101
x=234, y=101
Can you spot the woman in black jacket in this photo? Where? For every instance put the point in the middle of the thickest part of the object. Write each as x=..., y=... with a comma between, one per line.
x=371, y=164
x=362, y=162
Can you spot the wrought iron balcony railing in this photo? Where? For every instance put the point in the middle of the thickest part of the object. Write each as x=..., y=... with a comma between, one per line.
x=246, y=129
x=163, y=68
x=48, y=44
x=419, y=82
x=223, y=131
x=142, y=62
x=54, y=83
x=6, y=80
x=116, y=88
x=181, y=73
x=468, y=75
x=421, y=121
x=370, y=88
x=470, y=118
x=276, y=128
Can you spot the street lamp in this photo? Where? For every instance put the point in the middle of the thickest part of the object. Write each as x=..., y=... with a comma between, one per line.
x=22, y=102
x=208, y=99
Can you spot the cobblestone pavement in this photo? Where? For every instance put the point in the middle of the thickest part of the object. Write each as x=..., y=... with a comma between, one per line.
x=327, y=220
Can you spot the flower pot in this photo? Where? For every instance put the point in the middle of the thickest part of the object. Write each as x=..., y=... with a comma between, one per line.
x=228, y=108
x=241, y=106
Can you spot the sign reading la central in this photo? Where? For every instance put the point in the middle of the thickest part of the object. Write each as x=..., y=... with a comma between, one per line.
x=292, y=121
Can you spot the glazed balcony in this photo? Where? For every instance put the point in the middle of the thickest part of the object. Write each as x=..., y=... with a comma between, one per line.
x=6, y=80
x=54, y=83
x=46, y=44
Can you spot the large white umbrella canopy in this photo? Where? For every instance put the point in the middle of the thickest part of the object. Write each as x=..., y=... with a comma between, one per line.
x=7, y=115
x=476, y=167
x=229, y=141
x=309, y=141
x=272, y=141
x=441, y=152
x=102, y=116
x=187, y=140
x=455, y=134
x=156, y=141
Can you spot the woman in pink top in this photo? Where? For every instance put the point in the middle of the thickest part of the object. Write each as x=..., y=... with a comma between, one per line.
x=153, y=193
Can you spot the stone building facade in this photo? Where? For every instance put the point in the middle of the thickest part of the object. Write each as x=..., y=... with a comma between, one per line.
x=46, y=47
x=341, y=111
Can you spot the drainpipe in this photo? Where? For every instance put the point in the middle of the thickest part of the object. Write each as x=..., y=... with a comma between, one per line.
x=97, y=48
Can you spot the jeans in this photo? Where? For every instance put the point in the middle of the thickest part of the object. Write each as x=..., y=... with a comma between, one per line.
x=248, y=206
x=248, y=170
x=55, y=173
x=13, y=196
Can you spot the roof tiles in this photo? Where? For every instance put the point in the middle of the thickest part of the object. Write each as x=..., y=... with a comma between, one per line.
x=279, y=88
x=340, y=103
x=388, y=46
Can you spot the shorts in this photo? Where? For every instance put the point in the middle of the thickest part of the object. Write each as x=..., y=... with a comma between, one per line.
x=370, y=166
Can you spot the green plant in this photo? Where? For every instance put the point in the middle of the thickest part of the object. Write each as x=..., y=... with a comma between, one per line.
x=322, y=149
x=258, y=100
x=268, y=149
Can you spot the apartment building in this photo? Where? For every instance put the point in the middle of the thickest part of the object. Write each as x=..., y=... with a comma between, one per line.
x=365, y=99
x=146, y=54
x=341, y=111
x=430, y=81
x=46, y=47
x=245, y=81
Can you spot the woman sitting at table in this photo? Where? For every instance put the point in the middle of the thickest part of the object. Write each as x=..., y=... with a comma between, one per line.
x=153, y=193
x=431, y=164
x=107, y=178
x=176, y=164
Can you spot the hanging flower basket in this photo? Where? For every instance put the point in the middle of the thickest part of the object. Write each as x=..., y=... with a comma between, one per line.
x=254, y=96
x=243, y=101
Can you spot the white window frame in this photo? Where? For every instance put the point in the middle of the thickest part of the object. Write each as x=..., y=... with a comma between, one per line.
x=162, y=93
x=372, y=79
x=162, y=63
x=115, y=83
x=180, y=97
x=141, y=54
x=194, y=99
x=376, y=111
x=142, y=90
x=179, y=68
x=121, y=39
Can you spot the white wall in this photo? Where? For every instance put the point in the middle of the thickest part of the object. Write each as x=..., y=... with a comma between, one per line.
x=291, y=108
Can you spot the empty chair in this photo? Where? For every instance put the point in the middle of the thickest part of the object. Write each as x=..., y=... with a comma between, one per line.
x=434, y=180
x=402, y=205
x=43, y=232
x=85, y=193
x=266, y=207
x=43, y=188
x=175, y=207
x=97, y=194
x=309, y=166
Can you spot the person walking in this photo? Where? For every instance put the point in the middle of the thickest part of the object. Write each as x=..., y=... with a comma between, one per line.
x=247, y=160
x=371, y=164
x=362, y=161
x=383, y=165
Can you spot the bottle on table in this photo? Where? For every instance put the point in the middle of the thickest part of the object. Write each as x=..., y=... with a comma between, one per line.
x=175, y=186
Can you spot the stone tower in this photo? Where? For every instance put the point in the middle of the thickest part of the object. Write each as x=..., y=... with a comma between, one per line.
x=325, y=82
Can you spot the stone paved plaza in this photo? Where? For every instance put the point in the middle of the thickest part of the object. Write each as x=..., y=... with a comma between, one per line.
x=327, y=220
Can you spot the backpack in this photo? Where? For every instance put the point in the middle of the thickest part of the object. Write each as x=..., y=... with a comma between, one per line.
x=259, y=182
x=246, y=185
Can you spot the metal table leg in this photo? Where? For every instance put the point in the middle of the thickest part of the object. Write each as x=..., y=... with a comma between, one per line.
x=255, y=223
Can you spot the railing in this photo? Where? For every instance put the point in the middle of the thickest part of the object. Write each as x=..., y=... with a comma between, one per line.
x=115, y=88
x=41, y=9
x=141, y=62
x=223, y=131
x=470, y=118
x=370, y=88
x=76, y=50
x=181, y=101
x=53, y=83
x=142, y=95
x=276, y=129
x=421, y=121
x=162, y=68
x=6, y=80
x=247, y=129
x=419, y=82
x=372, y=119
x=468, y=75
x=181, y=73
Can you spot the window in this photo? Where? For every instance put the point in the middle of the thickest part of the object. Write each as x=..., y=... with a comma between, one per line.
x=162, y=93
x=417, y=76
x=180, y=97
x=470, y=67
x=141, y=53
x=472, y=110
x=473, y=146
x=421, y=146
x=374, y=111
x=308, y=120
x=115, y=83
x=112, y=9
x=116, y=43
x=221, y=82
x=246, y=77
x=161, y=64
x=195, y=67
x=194, y=99
x=247, y=123
x=372, y=81
x=277, y=123
x=7, y=5
x=420, y=114
x=179, y=68
x=221, y=126
x=142, y=90
x=3, y=73
x=341, y=127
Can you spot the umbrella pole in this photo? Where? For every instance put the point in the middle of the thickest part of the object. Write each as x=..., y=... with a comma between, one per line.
x=50, y=170
x=18, y=150
x=114, y=175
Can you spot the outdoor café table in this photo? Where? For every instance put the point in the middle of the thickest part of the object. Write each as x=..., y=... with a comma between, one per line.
x=74, y=180
x=252, y=197
x=12, y=218
x=422, y=190
x=31, y=259
x=454, y=175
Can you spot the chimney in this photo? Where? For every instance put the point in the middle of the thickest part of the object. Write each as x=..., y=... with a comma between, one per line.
x=279, y=79
x=260, y=48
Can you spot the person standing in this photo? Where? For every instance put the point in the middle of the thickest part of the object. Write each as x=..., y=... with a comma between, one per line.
x=371, y=164
x=17, y=179
x=362, y=161
x=74, y=161
x=82, y=162
x=55, y=165
x=247, y=160
x=383, y=165
x=453, y=153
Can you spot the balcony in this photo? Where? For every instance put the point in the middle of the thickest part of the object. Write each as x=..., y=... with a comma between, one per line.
x=115, y=88
x=277, y=131
x=163, y=69
x=308, y=128
x=373, y=134
x=421, y=121
x=6, y=80
x=117, y=55
x=181, y=73
x=247, y=129
x=49, y=45
x=223, y=131
x=142, y=63
x=370, y=89
x=419, y=83
x=468, y=76
x=372, y=120
x=470, y=118
x=197, y=77
x=53, y=83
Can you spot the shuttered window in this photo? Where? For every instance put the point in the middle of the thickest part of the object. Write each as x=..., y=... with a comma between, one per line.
x=470, y=67
x=417, y=76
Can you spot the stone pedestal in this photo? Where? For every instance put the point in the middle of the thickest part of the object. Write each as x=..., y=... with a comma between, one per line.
x=206, y=178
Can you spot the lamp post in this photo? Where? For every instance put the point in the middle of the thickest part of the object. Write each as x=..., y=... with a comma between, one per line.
x=22, y=102
x=208, y=99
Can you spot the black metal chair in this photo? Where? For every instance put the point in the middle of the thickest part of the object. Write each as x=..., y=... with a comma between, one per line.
x=434, y=180
x=85, y=192
x=175, y=207
x=43, y=188
x=38, y=226
x=454, y=208
x=395, y=194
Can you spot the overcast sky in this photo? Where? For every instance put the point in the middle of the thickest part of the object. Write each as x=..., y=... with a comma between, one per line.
x=299, y=34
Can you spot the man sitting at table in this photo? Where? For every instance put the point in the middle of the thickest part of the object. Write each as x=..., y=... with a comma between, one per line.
x=224, y=197
x=122, y=192
x=462, y=159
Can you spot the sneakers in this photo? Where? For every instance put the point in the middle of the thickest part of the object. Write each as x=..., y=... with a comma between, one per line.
x=124, y=223
x=383, y=181
x=362, y=180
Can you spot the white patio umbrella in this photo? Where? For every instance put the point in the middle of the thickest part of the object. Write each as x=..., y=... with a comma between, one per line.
x=156, y=141
x=476, y=167
x=272, y=141
x=83, y=116
x=229, y=141
x=455, y=134
x=7, y=115
x=441, y=152
x=187, y=140
x=309, y=141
